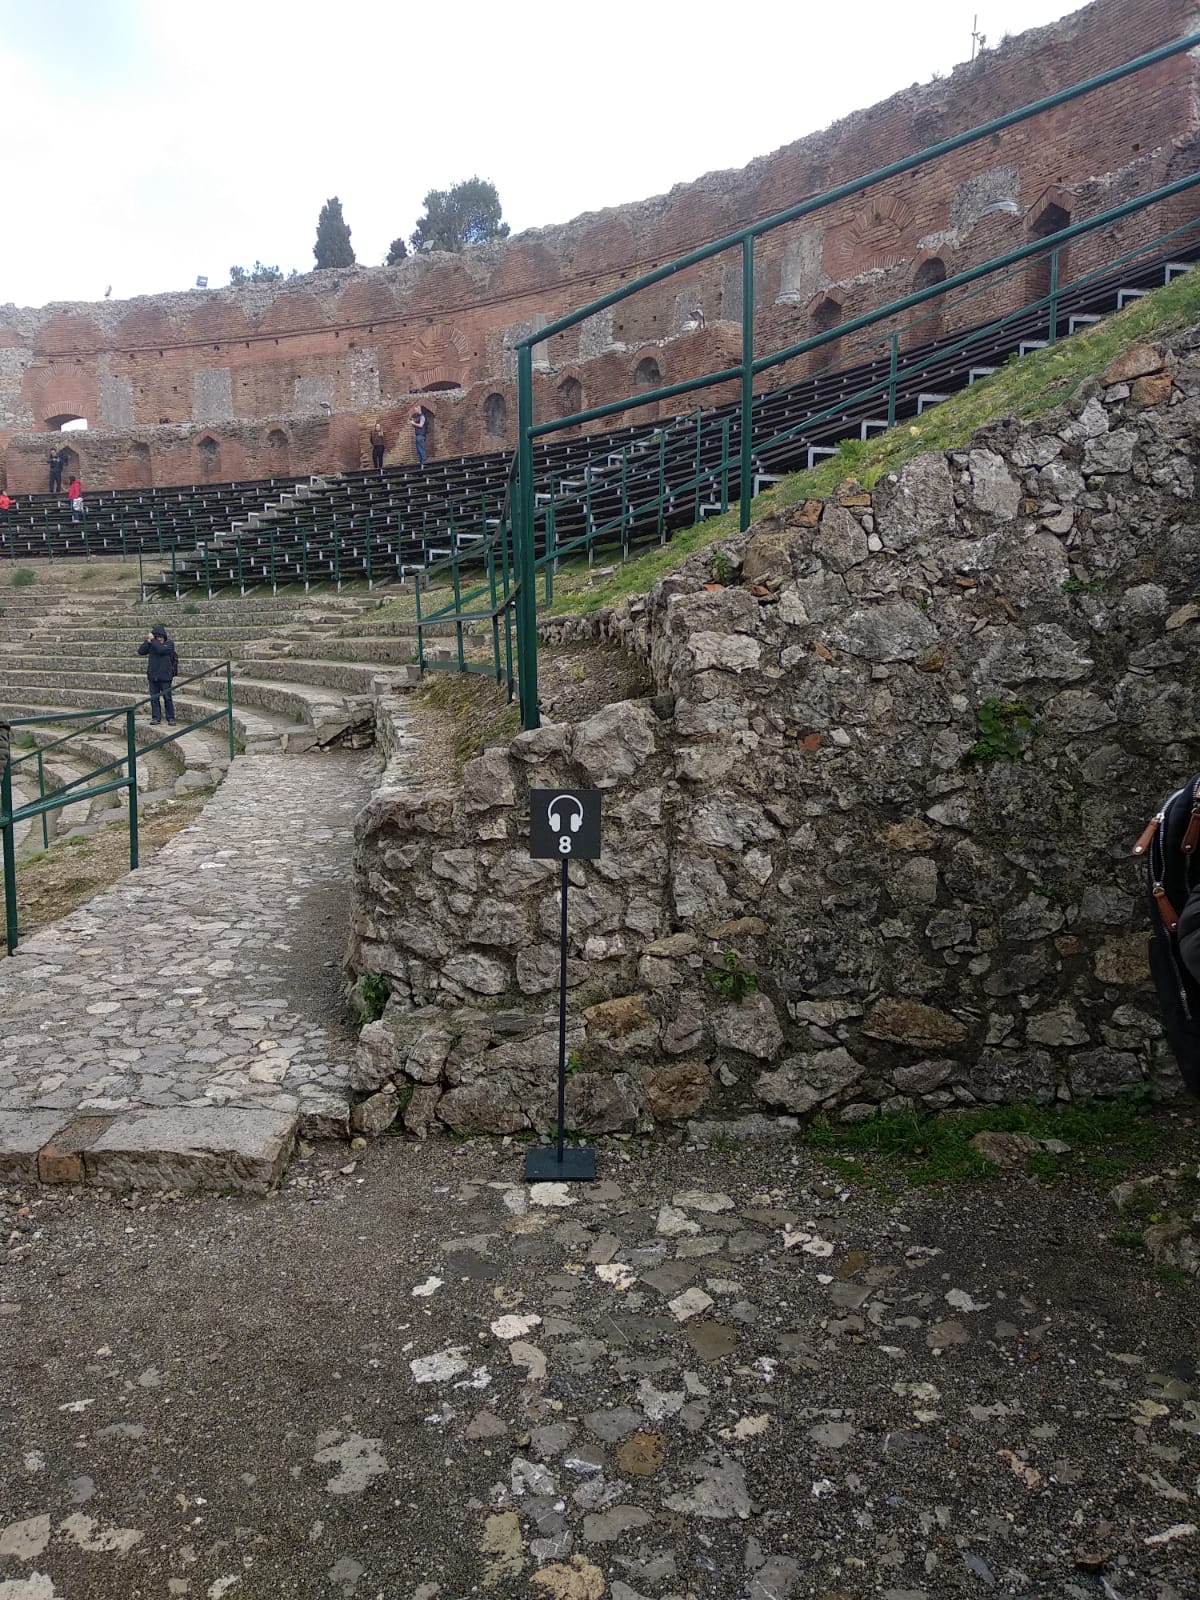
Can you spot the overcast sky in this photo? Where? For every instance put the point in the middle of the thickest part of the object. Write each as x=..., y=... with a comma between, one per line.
x=145, y=142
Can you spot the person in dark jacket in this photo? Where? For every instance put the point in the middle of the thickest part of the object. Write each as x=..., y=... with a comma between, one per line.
x=161, y=667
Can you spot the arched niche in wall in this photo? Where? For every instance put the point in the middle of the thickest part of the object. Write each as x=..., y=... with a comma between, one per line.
x=647, y=375
x=570, y=396
x=278, y=453
x=61, y=421
x=141, y=469
x=927, y=321
x=209, y=452
x=1047, y=215
x=495, y=416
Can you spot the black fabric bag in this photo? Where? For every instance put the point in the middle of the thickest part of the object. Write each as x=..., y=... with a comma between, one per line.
x=1171, y=846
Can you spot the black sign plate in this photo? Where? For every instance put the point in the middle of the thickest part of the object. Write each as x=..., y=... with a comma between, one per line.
x=564, y=824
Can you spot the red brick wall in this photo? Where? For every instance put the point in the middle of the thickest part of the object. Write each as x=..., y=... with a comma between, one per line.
x=245, y=364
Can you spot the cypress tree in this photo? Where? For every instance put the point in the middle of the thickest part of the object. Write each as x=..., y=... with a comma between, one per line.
x=333, y=247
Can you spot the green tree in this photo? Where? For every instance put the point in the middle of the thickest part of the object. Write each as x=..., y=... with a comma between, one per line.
x=469, y=213
x=333, y=248
x=397, y=251
x=256, y=274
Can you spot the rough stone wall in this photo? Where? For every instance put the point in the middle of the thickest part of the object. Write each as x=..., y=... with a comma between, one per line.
x=800, y=804
x=363, y=340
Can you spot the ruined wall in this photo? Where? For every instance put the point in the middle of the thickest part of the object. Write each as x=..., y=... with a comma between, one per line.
x=361, y=341
x=814, y=796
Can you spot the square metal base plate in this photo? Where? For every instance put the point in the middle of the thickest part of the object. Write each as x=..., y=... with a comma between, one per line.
x=543, y=1166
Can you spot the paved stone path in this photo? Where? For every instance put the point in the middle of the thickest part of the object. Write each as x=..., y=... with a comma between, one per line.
x=157, y=1037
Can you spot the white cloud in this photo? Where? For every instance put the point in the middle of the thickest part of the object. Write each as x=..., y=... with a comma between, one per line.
x=220, y=136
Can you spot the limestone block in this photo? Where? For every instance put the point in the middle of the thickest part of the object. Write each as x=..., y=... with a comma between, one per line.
x=1123, y=960
x=911, y=1022
x=1059, y=1026
x=840, y=542
x=680, y=1090
x=751, y=1028
x=1000, y=1076
x=372, y=1116
x=916, y=505
x=801, y=1082
x=498, y=922
x=621, y=1027
x=538, y=969
x=1111, y=453
x=420, y=1114
x=481, y=1108
x=724, y=652
x=488, y=781
x=769, y=555
x=994, y=490
x=615, y=743
x=1136, y=362
x=598, y=1102
x=923, y=1077
x=893, y=632
x=193, y=1147
x=479, y=973
x=698, y=890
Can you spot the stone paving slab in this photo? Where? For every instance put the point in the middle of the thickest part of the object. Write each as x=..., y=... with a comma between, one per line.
x=177, y=1005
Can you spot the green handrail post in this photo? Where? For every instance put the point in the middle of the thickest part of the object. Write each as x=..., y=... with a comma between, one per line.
x=420, y=630
x=370, y=584
x=131, y=778
x=229, y=704
x=240, y=570
x=456, y=585
x=121, y=525
x=1054, y=297
x=337, y=554
x=523, y=544
x=662, y=488
x=747, y=379
x=893, y=369
x=625, y=504
x=208, y=569
x=41, y=766
x=551, y=553
x=696, y=472
x=724, y=464
x=491, y=577
x=274, y=583
x=304, y=559
x=10, y=852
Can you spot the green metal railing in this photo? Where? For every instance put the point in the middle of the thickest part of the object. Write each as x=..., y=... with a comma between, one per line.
x=118, y=774
x=743, y=240
x=641, y=473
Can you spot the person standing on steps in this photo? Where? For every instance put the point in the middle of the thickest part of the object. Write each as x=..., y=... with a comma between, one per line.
x=75, y=496
x=420, y=428
x=57, y=461
x=162, y=666
x=378, y=445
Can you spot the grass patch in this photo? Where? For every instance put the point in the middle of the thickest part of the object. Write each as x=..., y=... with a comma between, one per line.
x=1106, y=1139
x=23, y=577
x=1025, y=387
x=1175, y=1277
x=476, y=708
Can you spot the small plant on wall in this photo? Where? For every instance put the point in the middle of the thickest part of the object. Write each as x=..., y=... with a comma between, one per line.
x=731, y=979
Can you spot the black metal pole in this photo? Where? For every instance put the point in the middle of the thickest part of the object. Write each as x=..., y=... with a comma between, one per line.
x=562, y=1016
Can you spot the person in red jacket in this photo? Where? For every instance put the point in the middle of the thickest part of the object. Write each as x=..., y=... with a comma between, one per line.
x=75, y=496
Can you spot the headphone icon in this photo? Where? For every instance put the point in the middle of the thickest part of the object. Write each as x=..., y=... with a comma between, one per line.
x=574, y=819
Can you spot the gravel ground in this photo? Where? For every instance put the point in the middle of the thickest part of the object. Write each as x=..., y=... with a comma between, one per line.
x=716, y=1373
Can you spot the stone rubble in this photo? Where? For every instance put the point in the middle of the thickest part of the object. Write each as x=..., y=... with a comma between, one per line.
x=988, y=1396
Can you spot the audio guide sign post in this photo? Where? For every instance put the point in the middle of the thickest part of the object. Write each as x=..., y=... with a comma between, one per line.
x=564, y=826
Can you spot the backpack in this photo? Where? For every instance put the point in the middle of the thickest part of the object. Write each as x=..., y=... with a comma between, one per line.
x=1170, y=844
x=174, y=660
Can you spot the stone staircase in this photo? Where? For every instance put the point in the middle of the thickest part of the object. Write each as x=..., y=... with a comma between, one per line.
x=299, y=680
